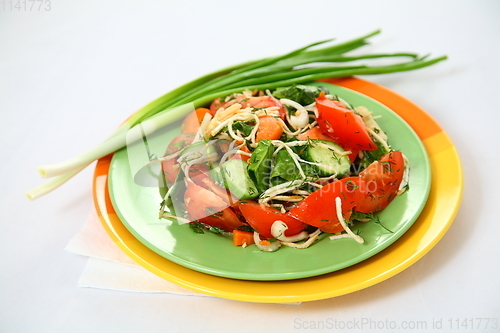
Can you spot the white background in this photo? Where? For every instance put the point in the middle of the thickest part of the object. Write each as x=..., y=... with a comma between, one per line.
x=70, y=75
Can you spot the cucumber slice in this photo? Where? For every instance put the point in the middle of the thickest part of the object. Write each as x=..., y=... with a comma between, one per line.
x=237, y=180
x=330, y=162
x=216, y=175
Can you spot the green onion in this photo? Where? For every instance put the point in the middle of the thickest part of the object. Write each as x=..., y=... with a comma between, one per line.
x=306, y=64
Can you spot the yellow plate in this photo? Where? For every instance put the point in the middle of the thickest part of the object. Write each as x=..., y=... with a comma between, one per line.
x=432, y=224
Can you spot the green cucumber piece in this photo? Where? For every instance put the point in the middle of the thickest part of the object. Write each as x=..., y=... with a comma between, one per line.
x=237, y=180
x=331, y=162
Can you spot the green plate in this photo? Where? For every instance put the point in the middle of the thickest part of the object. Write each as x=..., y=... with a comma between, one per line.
x=137, y=207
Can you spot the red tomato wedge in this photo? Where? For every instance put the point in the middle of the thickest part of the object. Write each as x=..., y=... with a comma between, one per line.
x=314, y=133
x=334, y=227
x=170, y=167
x=179, y=142
x=319, y=208
x=353, y=155
x=382, y=180
x=198, y=173
x=206, y=207
x=261, y=218
x=191, y=123
x=343, y=125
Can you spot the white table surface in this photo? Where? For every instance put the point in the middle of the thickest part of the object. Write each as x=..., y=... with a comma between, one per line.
x=71, y=74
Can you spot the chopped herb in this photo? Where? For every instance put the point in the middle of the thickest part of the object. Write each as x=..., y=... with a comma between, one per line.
x=304, y=95
x=377, y=221
x=215, y=230
x=197, y=227
x=259, y=168
x=245, y=228
x=244, y=127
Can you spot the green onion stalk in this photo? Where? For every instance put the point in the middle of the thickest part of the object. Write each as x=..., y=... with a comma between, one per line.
x=312, y=62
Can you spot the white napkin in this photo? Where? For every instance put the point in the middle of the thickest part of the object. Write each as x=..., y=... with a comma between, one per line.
x=109, y=268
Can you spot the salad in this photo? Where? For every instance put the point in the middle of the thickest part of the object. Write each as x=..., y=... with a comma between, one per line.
x=279, y=168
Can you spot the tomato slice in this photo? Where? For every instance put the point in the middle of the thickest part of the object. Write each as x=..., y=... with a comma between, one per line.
x=261, y=218
x=198, y=173
x=382, y=179
x=314, y=133
x=170, y=167
x=191, y=123
x=343, y=125
x=205, y=206
x=179, y=142
x=353, y=155
x=216, y=105
x=319, y=208
x=260, y=102
x=334, y=227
